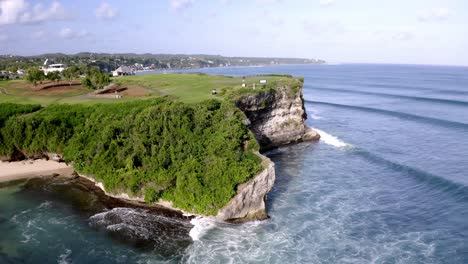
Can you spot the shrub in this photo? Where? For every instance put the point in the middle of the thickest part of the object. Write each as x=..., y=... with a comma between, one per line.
x=192, y=155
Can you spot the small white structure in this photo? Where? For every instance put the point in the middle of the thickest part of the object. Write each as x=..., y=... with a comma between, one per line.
x=123, y=70
x=243, y=85
x=263, y=81
x=53, y=68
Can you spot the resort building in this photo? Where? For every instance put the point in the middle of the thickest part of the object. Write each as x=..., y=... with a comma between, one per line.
x=53, y=68
x=123, y=70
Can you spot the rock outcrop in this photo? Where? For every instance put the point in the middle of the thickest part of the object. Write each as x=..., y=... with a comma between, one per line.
x=249, y=202
x=277, y=116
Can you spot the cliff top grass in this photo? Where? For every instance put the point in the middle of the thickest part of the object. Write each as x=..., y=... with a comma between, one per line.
x=189, y=88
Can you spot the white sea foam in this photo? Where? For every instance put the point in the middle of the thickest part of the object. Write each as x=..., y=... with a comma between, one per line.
x=331, y=140
x=65, y=257
x=201, y=226
x=314, y=114
x=45, y=205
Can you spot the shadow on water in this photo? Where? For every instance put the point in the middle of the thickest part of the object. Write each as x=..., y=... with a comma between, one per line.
x=145, y=229
x=289, y=162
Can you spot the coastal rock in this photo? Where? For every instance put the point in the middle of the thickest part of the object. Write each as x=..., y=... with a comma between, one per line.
x=249, y=202
x=277, y=117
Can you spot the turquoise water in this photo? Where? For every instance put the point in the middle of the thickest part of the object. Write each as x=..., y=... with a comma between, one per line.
x=387, y=183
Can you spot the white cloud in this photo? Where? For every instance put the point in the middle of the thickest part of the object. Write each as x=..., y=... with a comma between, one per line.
x=436, y=14
x=68, y=33
x=327, y=2
x=10, y=11
x=21, y=12
x=106, y=11
x=181, y=4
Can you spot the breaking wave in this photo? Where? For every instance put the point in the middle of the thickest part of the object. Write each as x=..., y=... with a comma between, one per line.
x=330, y=139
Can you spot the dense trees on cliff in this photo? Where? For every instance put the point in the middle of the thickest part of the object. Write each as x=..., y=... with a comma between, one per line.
x=191, y=154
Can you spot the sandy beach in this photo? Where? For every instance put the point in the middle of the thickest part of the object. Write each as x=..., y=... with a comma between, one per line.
x=32, y=168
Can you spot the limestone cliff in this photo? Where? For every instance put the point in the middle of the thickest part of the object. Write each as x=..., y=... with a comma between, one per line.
x=277, y=116
x=249, y=202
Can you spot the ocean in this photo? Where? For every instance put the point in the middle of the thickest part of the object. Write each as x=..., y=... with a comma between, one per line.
x=387, y=183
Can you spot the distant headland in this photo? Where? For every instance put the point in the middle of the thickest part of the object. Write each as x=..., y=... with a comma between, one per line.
x=147, y=61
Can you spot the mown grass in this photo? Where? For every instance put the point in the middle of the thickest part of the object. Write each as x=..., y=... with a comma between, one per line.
x=196, y=87
x=188, y=88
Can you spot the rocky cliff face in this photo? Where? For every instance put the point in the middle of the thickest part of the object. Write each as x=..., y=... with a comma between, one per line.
x=249, y=202
x=277, y=117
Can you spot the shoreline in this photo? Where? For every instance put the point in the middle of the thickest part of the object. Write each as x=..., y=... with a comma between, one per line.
x=16, y=170
x=43, y=168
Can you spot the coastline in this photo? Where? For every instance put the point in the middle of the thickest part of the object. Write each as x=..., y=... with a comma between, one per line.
x=178, y=70
x=16, y=170
x=43, y=168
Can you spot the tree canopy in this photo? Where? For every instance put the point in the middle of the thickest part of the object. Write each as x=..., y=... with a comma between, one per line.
x=193, y=155
x=34, y=75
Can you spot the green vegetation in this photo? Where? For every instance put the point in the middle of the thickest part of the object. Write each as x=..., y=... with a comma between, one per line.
x=197, y=87
x=189, y=88
x=34, y=75
x=96, y=80
x=193, y=155
x=183, y=144
x=54, y=76
x=71, y=73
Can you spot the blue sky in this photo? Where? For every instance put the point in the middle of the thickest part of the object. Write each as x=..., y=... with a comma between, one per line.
x=373, y=31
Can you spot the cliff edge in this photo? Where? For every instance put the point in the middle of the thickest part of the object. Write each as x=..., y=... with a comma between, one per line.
x=187, y=156
x=249, y=202
x=277, y=116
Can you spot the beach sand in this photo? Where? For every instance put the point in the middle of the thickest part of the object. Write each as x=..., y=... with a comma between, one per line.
x=32, y=168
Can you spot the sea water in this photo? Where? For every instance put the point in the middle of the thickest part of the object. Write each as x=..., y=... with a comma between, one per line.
x=387, y=183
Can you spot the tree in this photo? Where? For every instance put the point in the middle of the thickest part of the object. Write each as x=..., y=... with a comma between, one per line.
x=101, y=80
x=87, y=82
x=53, y=76
x=71, y=73
x=12, y=69
x=34, y=75
x=93, y=70
x=95, y=79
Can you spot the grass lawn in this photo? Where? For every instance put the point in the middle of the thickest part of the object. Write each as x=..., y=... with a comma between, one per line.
x=190, y=88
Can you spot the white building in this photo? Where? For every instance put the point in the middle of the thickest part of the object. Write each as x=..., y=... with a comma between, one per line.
x=53, y=68
x=263, y=81
x=123, y=70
